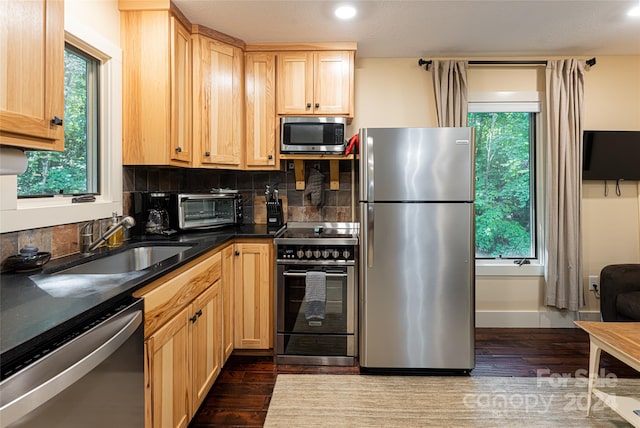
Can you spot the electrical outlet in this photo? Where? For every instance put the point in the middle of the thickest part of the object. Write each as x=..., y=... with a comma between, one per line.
x=594, y=282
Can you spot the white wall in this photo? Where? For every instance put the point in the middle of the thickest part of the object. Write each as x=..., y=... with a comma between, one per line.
x=102, y=16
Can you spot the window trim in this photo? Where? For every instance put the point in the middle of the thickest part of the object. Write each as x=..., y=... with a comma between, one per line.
x=507, y=101
x=92, y=128
x=29, y=213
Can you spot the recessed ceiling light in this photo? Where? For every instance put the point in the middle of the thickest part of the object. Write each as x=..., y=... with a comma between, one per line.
x=634, y=11
x=345, y=12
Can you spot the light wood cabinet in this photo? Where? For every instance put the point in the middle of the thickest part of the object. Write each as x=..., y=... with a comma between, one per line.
x=32, y=74
x=157, y=102
x=253, y=295
x=260, y=103
x=167, y=372
x=228, y=282
x=183, y=346
x=185, y=357
x=315, y=83
x=218, y=103
x=205, y=324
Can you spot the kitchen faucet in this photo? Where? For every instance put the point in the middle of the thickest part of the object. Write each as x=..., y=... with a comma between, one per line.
x=86, y=234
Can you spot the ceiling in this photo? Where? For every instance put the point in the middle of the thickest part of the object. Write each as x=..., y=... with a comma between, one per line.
x=433, y=28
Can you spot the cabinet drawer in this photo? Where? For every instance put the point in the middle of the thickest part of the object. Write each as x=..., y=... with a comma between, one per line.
x=167, y=297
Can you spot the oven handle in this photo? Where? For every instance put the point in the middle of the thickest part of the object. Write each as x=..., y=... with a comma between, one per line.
x=303, y=274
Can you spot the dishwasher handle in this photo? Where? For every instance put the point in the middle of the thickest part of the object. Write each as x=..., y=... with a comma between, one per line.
x=57, y=371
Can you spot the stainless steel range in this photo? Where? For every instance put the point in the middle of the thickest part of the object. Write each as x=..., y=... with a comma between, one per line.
x=316, y=294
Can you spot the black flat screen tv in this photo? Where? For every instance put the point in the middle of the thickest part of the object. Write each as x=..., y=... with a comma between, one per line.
x=611, y=155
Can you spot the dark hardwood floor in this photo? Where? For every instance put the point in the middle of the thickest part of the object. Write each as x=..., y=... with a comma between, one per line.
x=241, y=394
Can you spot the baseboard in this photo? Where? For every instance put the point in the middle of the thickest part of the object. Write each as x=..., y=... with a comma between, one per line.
x=533, y=319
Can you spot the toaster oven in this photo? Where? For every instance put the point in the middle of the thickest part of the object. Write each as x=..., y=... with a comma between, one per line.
x=205, y=210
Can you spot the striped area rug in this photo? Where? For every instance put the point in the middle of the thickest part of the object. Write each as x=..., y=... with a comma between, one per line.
x=421, y=401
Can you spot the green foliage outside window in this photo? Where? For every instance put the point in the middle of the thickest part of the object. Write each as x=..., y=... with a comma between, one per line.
x=52, y=172
x=503, y=184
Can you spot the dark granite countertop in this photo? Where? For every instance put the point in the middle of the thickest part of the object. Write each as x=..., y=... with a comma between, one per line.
x=36, y=307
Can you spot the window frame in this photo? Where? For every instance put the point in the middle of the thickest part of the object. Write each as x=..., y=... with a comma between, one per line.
x=29, y=213
x=93, y=124
x=518, y=101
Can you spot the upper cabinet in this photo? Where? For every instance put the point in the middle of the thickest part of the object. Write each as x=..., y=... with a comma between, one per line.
x=157, y=119
x=260, y=103
x=218, y=116
x=32, y=74
x=195, y=97
x=315, y=83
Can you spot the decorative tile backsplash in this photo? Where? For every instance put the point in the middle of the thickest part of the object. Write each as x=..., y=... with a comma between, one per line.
x=60, y=241
x=338, y=205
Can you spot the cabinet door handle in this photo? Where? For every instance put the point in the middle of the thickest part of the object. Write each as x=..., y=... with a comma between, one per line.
x=308, y=105
x=178, y=149
x=237, y=253
x=270, y=157
x=207, y=154
x=193, y=319
x=199, y=313
x=317, y=105
x=56, y=121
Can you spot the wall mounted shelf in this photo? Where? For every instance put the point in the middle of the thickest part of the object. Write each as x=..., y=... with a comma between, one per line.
x=334, y=167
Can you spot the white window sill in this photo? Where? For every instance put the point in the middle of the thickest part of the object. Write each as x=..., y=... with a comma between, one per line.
x=44, y=212
x=508, y=268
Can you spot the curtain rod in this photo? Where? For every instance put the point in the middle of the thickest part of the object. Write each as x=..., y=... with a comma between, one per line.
x=590, y=62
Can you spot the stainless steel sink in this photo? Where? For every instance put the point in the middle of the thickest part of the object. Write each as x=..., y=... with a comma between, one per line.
x=130, y=260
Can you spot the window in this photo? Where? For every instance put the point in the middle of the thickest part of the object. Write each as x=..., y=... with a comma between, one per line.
x=21, y=213
x=506, y=209
x=75, y=170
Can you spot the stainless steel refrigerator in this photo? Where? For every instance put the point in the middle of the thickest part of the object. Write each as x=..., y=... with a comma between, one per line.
x=417, y=258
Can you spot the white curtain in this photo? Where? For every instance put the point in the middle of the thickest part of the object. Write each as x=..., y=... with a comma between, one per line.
x=564, y=107
x=450, y=88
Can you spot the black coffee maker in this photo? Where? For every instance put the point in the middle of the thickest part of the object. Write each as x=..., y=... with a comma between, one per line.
x=151, y=212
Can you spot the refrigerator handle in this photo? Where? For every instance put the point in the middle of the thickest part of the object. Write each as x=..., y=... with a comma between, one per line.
x=370, y=235
x=369, y=159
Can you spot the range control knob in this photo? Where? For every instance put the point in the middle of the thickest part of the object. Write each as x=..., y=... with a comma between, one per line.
x=308, y=254
x=300, y=254
x=335, y=254
x=325, y=254
x=346, y=254
x=316, y=254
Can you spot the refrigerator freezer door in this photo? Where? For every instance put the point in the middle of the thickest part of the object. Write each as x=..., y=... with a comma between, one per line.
x=417, y=164
x=417, y=288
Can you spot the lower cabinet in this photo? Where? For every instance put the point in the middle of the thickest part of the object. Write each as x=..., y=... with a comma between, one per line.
x=195, y=317
x=227, y=301
x=183, y=346
x=253, y=325
x=184, y=358
x=167, y=374
x=205, y=324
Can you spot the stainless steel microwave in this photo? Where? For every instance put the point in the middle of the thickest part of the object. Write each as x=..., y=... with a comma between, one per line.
x=312, y=134
x=205, y=210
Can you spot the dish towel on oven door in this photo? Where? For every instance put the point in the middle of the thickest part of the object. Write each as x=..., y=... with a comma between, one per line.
x=315, y=297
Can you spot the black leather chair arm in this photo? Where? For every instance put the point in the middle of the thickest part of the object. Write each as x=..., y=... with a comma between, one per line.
x=614, y=280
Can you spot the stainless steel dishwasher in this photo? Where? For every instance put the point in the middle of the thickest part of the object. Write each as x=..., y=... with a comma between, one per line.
x=95, y=379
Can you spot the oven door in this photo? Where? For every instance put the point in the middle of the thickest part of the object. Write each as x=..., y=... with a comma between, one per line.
x=333, y=335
